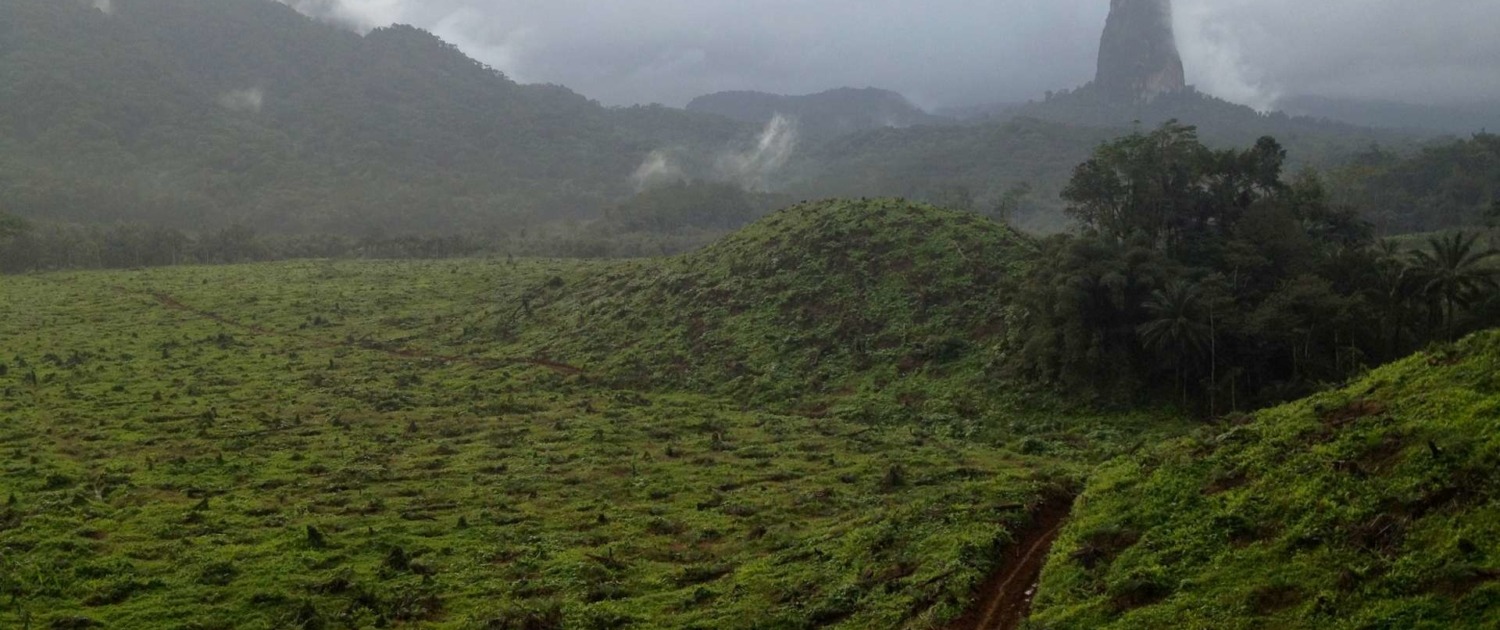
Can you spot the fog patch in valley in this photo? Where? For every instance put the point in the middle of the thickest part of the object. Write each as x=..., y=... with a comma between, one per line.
x=753, y=169
x=249, y=100
x=661, y=167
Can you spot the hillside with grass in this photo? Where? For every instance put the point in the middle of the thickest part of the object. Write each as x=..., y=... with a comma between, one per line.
x=816, y=298
x=1369, y=506
x=312, y=462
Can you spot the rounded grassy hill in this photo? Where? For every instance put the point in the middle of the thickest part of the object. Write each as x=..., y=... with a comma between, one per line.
x=812, y=299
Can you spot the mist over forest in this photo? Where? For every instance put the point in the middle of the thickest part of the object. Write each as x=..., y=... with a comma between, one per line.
x=662, y=314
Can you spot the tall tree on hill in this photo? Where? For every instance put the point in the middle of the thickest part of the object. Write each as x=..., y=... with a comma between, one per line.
x=1168, y=187
x=1178, y=330
x=1141, y=184
x=1455, y=274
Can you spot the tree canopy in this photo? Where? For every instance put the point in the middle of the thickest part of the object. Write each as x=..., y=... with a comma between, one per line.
x=1215, y=272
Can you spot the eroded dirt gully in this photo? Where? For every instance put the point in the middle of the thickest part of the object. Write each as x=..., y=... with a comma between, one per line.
x=1003, y=602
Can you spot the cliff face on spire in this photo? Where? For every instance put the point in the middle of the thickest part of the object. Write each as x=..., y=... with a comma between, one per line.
x=1138, y=57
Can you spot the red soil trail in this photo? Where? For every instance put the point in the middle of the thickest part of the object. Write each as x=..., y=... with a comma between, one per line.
x=171, y=303
x=1004, y=601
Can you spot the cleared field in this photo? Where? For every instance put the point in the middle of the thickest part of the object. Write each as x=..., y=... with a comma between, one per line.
x=336, y=445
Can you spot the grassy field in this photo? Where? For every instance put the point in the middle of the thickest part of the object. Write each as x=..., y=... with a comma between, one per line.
x=693, y=442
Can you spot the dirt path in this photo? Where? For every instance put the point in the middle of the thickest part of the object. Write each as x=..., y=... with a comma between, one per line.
x=171, y=303
x=1004, y=600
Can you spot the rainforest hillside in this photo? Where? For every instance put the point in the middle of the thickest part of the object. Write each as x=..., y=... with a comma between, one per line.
x=197, y=115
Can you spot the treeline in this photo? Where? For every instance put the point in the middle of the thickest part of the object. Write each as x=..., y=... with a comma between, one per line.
x=27, y=247
x=1209, y=278
x=661, y=221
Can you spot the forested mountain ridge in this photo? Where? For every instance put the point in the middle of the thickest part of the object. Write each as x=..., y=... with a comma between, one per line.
x=199, y=114
x=1034, y=148
x=1462, y=118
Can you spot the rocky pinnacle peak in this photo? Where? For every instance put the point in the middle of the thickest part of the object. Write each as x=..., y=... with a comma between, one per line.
x=1138, y=58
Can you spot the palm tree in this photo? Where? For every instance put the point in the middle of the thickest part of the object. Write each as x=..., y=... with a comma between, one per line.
x=1396, y=290
x=1176, y=328
x=1454, y=274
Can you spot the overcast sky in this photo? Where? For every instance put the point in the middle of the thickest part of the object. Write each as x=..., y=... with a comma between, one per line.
x=957, y=52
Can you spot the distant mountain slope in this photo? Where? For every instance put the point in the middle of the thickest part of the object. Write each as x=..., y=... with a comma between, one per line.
x=1221, y=123
x=1039, y=144
x=820, y=116
x=964, y=167
x=1455, y=119
x=204, y=113
x=199, y=115
x=1444, y=186
x=1374, y=506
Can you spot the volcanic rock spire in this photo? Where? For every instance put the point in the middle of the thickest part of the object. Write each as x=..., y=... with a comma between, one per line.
x=1138, y=57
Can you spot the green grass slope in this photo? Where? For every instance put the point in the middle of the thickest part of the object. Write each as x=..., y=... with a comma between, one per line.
x=819, y=298
x=1374, y=506
x=318, y=445
x=534, y=444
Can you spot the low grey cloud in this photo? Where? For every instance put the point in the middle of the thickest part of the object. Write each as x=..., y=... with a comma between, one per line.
x=955, y=52
x=1254, y=51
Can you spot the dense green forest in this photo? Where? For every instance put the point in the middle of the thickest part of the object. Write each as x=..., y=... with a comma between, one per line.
x=1211, y=272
